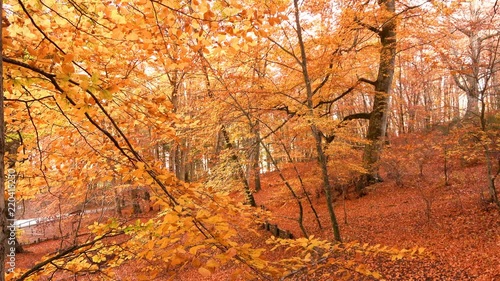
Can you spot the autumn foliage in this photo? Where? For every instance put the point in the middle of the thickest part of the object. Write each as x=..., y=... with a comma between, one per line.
x=143, y=128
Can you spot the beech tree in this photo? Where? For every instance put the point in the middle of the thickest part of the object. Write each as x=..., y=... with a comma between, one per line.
x=383, y=23
x=187, y=99
x=93, y=100
x=377, y=125
x=473, y=64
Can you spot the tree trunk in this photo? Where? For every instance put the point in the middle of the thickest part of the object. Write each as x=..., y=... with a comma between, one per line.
x=314, y=129
x=118, y=203
x=471, y=83
x=300, y=219
x=241, y=172
x=475, y=56
x=378, y=118
x=228, y=145
x=134, y=194
x=468, y=79
x=255, y=157
x=492, y=176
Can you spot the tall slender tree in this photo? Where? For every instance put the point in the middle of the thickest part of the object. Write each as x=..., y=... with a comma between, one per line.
x=322, y=159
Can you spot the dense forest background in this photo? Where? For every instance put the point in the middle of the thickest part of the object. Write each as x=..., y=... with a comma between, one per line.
x=158, y=137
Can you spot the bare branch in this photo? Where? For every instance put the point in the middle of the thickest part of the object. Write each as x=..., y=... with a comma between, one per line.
x=364, y=80
x=367, y=26
x=339, y=97
x=40, y=266
x=363, y=115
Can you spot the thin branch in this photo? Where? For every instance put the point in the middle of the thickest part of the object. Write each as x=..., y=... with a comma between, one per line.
x=363, y=115
x=47, y=37
x=323, y=83
x=40, y=266
x=39, y=148
x=364, y=80
x=27, y=66
x=29, y=101
x=133, y=160
x=285, y=50
x=367, y=26
x=346, y=92
x=38, y=28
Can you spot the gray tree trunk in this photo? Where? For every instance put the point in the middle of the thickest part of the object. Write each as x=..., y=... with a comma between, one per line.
x=469, y=82
x=378, y=119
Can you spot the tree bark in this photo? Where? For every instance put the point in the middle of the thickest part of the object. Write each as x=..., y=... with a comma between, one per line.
x=255, y=156
x=134, y=195
x=241, y=173
x=118, y=202
x=472, y=79
x=378, y=119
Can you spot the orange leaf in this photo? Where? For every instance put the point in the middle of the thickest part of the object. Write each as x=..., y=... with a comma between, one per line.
x=204, y=272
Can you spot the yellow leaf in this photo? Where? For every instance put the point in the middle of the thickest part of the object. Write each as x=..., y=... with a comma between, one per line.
x=132, y=36
x=67, y=68
x=117, y=34
x=68, y=58
x=203, y=7
x=170, y=218
x=105, y=94
x=140, y=165
x=204, y=272
x=98, y=259
x=177, y=260
x=376, y=275
x=113, y=89
x=195, y=249
x=232, y=252
x=212, y=263
x=84, y=84
x=196, y=262
x=235, y=44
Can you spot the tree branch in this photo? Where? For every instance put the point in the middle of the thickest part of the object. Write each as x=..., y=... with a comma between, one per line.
x=367, y=26
x=364, y=80
x=40, y=266
x=323, y=83
x=28, y=101
x=363, y=115
x=136, y=157
x=339, y=97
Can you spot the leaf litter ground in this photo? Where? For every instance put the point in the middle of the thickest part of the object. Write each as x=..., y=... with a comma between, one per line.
x=460, y=231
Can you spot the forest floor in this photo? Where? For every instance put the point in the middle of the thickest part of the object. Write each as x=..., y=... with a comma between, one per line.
x=453, y=223
x=461, y=231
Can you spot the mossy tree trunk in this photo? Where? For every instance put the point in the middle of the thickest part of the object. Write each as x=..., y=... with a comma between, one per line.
x=377, y=125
